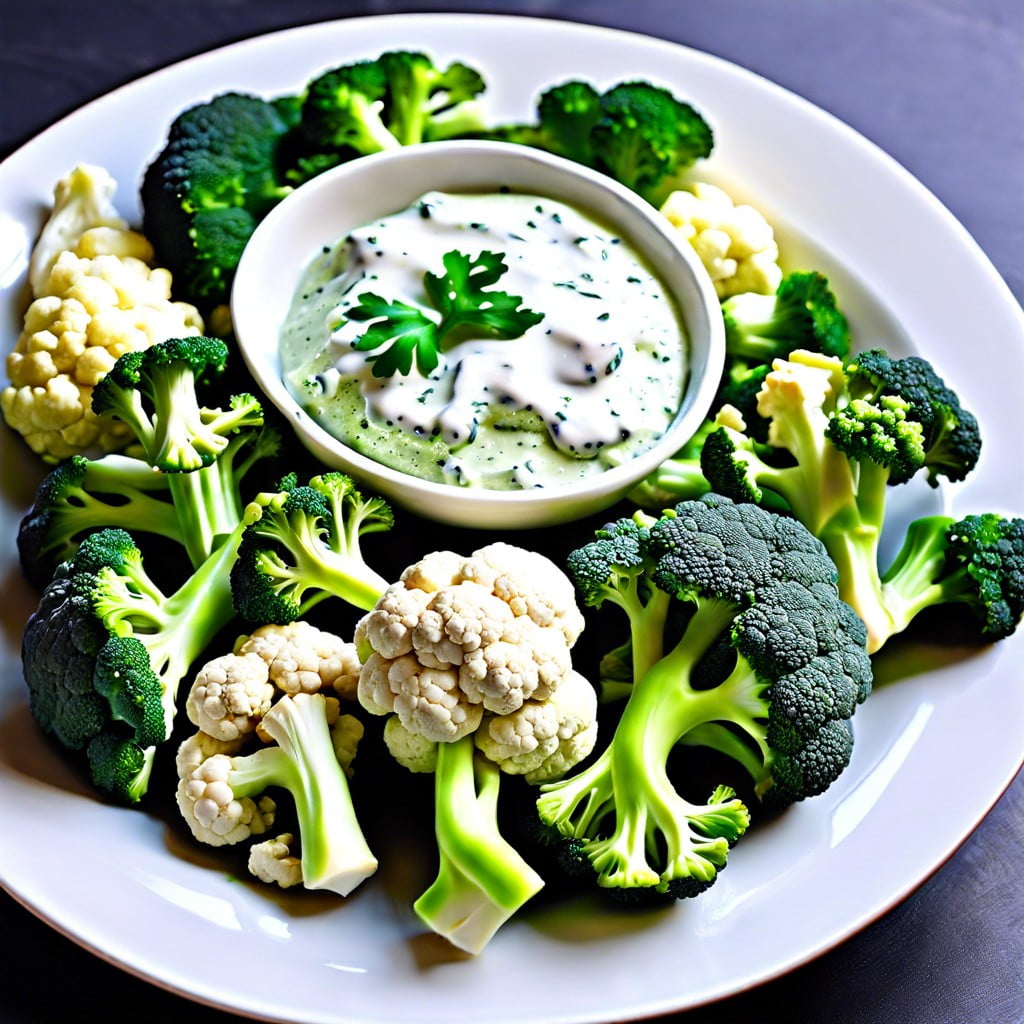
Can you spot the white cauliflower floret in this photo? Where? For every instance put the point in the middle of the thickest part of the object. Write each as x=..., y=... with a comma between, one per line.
x=301, y=658
x=230, y=695
x=387, y=627
x=544, y=739
x=530, y=583
x=95, y=297
x=427, y=700
x=208, y=803
x=273, y=862
x=494, y=630
x=82, y=199
x=735, y=243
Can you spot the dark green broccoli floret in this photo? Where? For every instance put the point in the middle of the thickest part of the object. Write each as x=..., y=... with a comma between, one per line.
x=636, y=132
x=790, y=669
x=81, y=494
x=977, y=561
x=802, y=313
x=106, y=649
x=646, y=136
x=397, y=99
x=838, y=437
x=302, y=544
x=218, y=174
x=566, y=114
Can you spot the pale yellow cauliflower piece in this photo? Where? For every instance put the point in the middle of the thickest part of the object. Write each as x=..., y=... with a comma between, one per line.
x=95, y=297
x=410, y=749
x=543, y=739
x=230, y=695
x=273, y=862
x=302, y=658
x=735, y=243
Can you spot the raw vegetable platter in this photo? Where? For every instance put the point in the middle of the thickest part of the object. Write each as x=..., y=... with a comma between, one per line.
x=366, y=958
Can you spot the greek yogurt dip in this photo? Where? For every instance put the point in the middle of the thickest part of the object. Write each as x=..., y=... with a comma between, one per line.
x=597, y=380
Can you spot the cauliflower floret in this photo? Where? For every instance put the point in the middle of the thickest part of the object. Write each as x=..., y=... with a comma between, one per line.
x=273, y=862
x=208, y=803
x=302, y=658
x=95, y=297
x=530, y=583
x=543, y=739
x=230, y=695
x=409, y=749
x=735, y=243
x=427, y=700
x=346, y=735
x=387, y=627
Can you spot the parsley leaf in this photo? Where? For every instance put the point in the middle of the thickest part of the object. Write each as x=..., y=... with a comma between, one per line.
x=463, y=298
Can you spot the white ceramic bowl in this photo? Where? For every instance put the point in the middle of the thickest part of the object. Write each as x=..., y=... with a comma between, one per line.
x=353, y=194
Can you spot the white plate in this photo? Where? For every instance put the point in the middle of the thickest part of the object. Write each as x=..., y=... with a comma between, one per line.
x=114, y=880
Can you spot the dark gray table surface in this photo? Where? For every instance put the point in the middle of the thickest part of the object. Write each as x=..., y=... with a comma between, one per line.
x=938, y=84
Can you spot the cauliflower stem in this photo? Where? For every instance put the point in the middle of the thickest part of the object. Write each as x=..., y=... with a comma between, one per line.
x=482, y=880
x=335, y=854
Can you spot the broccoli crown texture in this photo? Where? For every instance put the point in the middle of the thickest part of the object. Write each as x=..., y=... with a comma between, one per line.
x=977, y=561
x=396, y=99
x=950, y=438
x=766, y=667
x=218, y=174
x=636, y=132
x=302, y=544
x=803, y=313
x=105, y=650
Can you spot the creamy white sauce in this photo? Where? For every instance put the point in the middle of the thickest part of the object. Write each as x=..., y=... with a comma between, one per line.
x=599, y=378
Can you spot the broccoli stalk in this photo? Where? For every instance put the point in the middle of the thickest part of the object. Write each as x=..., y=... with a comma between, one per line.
x=838, y=437
x=155, y=392
x=768, y=670
x=482, y=880
x=106, y=649
x=303, y=761
x=302, y=544
x=81, y=494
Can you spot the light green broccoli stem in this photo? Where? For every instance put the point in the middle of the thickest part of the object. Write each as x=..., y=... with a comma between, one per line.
x=323, y=565
x=207, y=501
x=174, y=629
x=335, y=854
x=482, y=880
x=630, y=780
x=852, y=538
x=917, y=577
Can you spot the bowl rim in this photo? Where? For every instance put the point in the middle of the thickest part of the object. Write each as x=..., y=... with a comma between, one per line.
x=705, y=367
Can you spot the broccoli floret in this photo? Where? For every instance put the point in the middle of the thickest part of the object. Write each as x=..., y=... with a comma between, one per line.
x=82, y=494
x=204, y=452
x=219, y=173
x=302, y=544
x=977, y=561
x=566, y=115
x=838, y=437
x=636, y=132
x=397, y=99
x=762, y=605
x=106, y=649
x=802, y=314
x=646, y=136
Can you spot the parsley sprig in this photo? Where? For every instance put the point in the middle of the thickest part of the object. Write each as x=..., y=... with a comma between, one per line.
x=464, y=299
